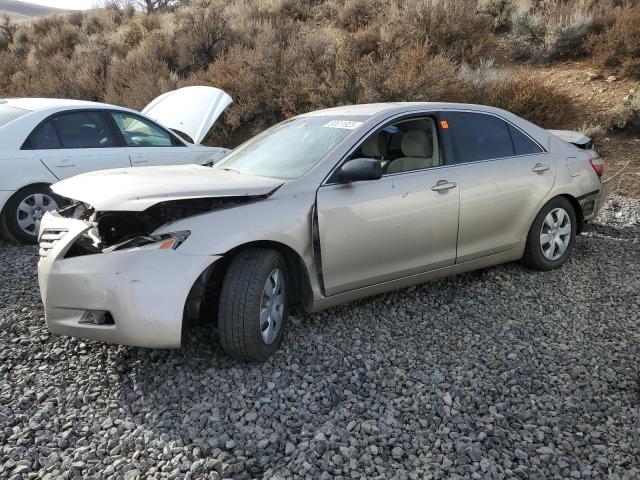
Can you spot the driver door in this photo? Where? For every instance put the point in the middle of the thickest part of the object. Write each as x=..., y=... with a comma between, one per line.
x=399, y=225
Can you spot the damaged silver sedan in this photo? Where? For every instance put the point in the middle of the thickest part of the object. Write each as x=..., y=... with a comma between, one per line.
x=321, y=209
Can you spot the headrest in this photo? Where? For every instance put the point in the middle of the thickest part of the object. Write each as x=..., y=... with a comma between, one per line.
x=375, y=146
x=416, y=143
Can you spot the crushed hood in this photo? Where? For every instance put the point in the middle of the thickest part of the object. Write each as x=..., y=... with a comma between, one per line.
x=192, y=110
x=136, y=189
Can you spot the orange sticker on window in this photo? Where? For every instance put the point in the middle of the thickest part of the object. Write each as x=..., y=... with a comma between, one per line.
x=444, y=124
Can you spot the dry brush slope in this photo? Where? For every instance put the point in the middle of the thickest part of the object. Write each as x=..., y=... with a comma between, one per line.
x=594, y=98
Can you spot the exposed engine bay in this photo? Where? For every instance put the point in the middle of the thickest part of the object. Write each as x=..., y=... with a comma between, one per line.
x=115, y=230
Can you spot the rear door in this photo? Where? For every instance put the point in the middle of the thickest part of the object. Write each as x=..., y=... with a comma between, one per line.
x=504, y=177
x=149, y=144
x=75, y=142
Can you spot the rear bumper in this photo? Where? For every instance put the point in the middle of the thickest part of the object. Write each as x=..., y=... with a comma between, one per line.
x=144, y=291
x=600, y=199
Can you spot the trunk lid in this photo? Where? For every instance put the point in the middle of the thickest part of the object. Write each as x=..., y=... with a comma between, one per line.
x=136, y=189
x=192, y=110
x=578, y=139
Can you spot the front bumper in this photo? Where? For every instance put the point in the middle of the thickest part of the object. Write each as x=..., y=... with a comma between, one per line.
x=144, y=291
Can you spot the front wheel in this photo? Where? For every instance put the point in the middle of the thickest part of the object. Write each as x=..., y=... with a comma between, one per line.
x=551, y=236
x=253, y=306
x=24, y=210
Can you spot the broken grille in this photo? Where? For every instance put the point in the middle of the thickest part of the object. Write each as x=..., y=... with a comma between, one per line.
x=48, y=240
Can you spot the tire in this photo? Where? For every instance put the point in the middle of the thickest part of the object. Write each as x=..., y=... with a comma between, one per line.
x=244, y=301
x=557, y=222
x=22, y=212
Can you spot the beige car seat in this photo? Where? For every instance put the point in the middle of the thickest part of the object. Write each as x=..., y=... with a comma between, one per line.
x=375, y=146
x=418, y=150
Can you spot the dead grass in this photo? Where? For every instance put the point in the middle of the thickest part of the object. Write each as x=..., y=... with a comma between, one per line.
x=617, y=49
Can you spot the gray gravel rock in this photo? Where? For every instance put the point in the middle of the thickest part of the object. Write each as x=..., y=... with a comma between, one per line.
x=504, y=372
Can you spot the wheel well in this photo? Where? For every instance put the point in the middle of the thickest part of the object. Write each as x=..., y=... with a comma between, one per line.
x=203, y=297
x=19, y=190
x=578, y=209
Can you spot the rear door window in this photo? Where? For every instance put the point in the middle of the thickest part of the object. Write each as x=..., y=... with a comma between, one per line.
x=83, y=130
x=478, y=136
x=523, y=145
x=45, y=137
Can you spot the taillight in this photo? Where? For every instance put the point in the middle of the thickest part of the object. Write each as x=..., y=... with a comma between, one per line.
x=598, y=165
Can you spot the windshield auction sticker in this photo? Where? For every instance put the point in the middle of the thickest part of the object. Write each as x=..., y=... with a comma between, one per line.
x=348, y=124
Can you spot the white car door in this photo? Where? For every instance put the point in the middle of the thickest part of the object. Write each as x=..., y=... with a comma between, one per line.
x=75, y=142
x=150, y=144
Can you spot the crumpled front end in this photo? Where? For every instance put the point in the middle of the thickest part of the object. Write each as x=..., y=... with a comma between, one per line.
x=126, y=294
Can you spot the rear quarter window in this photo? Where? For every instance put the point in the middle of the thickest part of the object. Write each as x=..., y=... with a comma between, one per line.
x=44, y=137
x=522, y=144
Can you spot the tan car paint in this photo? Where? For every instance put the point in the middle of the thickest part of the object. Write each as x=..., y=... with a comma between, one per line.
x=372, y=236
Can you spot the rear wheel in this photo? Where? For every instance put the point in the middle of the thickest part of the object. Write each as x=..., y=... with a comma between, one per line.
x=253, y=305
x=551, y=236
x=24, y=211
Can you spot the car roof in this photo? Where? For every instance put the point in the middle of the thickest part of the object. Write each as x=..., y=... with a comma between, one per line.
x=371, y=109
x=33, y=104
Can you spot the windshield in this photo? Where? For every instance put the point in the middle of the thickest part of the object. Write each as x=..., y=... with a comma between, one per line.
x=10, y=113
x=291, y=148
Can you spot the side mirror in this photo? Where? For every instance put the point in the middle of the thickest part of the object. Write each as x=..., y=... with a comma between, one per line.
x=361, y=169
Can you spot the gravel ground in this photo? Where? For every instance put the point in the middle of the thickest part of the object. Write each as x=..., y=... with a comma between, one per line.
x=498, y=373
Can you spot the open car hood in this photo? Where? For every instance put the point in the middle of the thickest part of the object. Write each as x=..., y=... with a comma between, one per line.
x=136, y=189
x=192, y=110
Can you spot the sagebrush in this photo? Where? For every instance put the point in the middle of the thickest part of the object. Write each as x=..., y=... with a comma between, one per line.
x=282, y=57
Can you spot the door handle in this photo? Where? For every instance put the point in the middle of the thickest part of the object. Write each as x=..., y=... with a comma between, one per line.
x=63, y=165
x=540, y=168
x=443, y=185
x=139, y=160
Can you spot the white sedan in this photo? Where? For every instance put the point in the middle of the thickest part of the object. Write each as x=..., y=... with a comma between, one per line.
x=43, y=140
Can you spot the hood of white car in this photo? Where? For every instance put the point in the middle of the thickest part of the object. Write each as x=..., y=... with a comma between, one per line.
x=192, y=110
x=136, y=189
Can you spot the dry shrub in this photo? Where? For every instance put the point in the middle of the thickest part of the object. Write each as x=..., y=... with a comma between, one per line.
x=627, y=114
x=60, y=39
x=143, y=74
x=618, y=47
x=426, y=78
x=201, y=35
x=278, y=58
x=9, y=65
x=500, y=10
x=530, y=99
x=543, y=32
x=44, y=77
x=594, y=130
x=101, y=20
x=484, y=74
x=22, y=42
x=353, y=15
x=7, y=30
x=452, y=27
x=91, y=64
